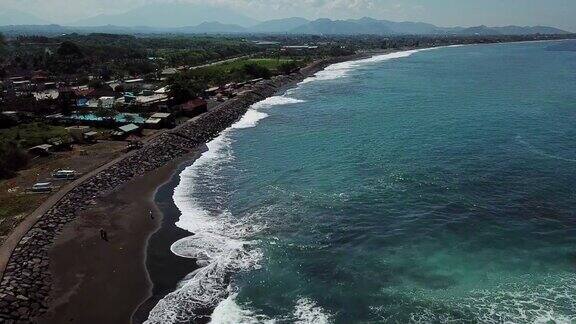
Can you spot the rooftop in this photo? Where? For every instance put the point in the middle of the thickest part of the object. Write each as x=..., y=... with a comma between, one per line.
x=161, y=115
x=128, y=128
x=42, y=147
x=153, y=121
x=133, y=80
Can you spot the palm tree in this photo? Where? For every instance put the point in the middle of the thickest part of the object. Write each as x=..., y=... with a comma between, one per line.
x=107, y=115
x=129, y=118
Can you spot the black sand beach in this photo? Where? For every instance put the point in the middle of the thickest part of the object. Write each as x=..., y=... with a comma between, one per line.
x=165, y=269
x=80, y=277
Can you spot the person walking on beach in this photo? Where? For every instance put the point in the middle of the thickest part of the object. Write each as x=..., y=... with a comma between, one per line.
x=103, y=235
x=151, y=214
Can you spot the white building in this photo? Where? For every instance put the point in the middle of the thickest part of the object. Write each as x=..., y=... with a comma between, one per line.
x=106, y=102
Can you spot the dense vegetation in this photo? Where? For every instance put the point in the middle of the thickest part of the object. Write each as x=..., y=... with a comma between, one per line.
x=15, y=140
x=190, y=84
x=29, y=135
x=111, y=55
x=2, y=42
x=12, y=158
x=72, y=58
x=108, y=55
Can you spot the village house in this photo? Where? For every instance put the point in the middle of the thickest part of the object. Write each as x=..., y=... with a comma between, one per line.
x=41, y=150
x=169, y=71
x=78, y=133
x=106, y=102
x=130, y=129
x=159, y=120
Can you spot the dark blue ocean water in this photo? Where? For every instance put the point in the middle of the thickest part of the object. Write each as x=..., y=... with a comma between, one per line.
x=433, y=187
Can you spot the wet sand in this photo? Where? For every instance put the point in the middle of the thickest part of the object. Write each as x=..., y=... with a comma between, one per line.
x=165, y=269
x=105, y=282
x=119, y=281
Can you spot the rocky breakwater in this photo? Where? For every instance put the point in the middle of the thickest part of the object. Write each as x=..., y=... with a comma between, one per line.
x=26, y=283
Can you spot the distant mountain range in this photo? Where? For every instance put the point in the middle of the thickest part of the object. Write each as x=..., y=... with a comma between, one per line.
x=386, y=27
x=166, y=15
x=186, y=18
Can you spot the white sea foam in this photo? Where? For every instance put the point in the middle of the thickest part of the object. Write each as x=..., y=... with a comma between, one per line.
x=254, y=114
x=229, y=312
x=339, y=70
x=517, y=300
x=306, y=311
x=221, y=244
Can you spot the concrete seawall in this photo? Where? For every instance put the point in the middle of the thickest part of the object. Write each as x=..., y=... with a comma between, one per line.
x=26, y=281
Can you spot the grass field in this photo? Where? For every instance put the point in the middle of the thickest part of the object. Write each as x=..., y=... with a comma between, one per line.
x=32, y=134
x=219, y=74
x=269, y=63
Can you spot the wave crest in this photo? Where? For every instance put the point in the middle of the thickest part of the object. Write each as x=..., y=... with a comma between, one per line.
x=306, y=311
x=221, y=242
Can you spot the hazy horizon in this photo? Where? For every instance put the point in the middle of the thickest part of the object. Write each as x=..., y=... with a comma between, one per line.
x=447, y=13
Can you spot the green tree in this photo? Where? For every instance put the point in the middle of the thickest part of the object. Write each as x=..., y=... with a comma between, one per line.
x=2, y=43
x=96, y=84
x=70, y=50
x=129, y=118
x=183, y=89
x=288, y=67
x=106, y=114
x=257, y=70
x=12, y=158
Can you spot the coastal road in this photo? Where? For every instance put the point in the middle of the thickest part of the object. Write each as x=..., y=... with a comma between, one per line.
x=14, y=238
x=18, y=233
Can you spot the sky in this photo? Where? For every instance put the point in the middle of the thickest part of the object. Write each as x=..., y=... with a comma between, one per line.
x=557, y=13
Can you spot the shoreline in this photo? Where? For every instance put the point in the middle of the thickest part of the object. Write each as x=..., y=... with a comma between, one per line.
x=158, y=258
x=55, y=271
x=170, y=215
x=67, y=241
x=104, y=282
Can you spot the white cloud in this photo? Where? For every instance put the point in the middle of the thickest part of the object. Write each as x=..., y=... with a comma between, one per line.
x=67, y=10
x=445, y=12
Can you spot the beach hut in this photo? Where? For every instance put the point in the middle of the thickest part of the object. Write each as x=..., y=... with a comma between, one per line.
x=130, y=129
x=41, y=150
x=78, y=133
x=90, y=137
x=153, y=123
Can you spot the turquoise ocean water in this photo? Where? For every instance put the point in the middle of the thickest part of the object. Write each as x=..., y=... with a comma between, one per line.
x=427, y=186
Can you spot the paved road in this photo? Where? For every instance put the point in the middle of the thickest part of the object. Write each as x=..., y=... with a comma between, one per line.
x=16, y=235
x=14, y=238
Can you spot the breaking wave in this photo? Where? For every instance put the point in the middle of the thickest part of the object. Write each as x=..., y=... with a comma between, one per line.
x=306, y=311
x=221, y=243
x=511, y=302
x=339, y=70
